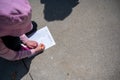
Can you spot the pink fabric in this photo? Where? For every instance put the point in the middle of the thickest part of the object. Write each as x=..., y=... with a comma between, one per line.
x=15, y=20
x=24, y=38
x=14, y=55
x=15, y=17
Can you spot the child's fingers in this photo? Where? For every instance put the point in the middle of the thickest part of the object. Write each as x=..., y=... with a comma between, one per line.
x=42, y=46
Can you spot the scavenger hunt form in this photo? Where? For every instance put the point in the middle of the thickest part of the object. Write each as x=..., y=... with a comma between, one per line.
x=44, y=36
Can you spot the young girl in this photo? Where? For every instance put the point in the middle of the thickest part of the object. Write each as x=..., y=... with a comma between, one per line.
x=15, y=22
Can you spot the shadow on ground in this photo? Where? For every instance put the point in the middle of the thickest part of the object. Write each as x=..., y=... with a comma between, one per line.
x=58, y=9
x=13, y=70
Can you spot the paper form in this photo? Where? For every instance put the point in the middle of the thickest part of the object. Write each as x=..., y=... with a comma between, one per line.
x=44, y=36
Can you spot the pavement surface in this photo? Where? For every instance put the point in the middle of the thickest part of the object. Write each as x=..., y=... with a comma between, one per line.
x=87, y=36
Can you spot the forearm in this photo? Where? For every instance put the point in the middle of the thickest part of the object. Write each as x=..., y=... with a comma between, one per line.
x=24, y=38
x=23, y=54
x=14, y=55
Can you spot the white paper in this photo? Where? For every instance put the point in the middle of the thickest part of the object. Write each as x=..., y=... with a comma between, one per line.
x=43, y=36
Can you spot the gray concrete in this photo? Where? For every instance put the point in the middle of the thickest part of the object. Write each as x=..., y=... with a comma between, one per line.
x=87, y=39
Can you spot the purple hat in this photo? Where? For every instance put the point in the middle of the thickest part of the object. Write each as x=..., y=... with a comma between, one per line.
x=15, y=17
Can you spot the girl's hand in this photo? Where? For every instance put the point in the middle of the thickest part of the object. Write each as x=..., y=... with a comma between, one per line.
x=31, y=44
x=40, y=48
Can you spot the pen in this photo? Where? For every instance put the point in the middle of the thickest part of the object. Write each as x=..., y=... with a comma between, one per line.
x=24, y=47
